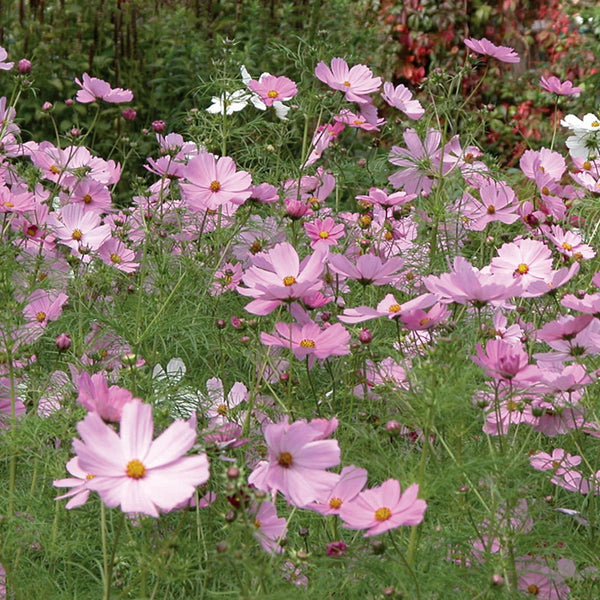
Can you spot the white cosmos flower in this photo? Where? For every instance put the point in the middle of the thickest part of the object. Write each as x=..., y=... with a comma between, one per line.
x=229, y=102
x=585, y=141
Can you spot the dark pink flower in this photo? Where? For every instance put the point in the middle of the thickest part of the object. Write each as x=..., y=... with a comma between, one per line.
x=273, y=89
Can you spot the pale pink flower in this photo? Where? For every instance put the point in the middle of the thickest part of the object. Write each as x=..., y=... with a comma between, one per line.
x=93, y=89
x=540, y=582
x=400, y=97
x=270, y=529
x=497, y=202
x=543, y=161
x=271, y=89
x=79, y=492
x=44, y=306
x=356, y=82
x=386, y=200
x=5, y=66
x=218, y=409
x=212, y=182
x=226, y=277
x=131, y=470
x=388, y=307
x=297, y=459
x=369, y=269
x=526, y=260
x=94, y=195
x=554, y=85
x=558, y=461
x=359, y=120
x=485, y=47
x=570, y=244
x=382, y=508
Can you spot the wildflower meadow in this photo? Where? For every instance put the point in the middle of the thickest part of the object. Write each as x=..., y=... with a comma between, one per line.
x=330, y=332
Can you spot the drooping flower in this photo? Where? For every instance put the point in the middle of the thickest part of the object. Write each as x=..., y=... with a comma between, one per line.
x=384, y=507
x=485, y=47
x=134, y=472
x=79, y=492
x=98, y=397
x=400, y=97
x=505, y=361
x=93, y=89
x=554, y=85
x=270, y=529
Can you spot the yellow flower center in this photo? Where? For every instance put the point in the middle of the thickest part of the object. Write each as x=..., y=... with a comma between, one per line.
x=567, y=246
x=388, y=236
x=587, y=165
x=424, y=321
x=347, y=83
x=87, y=198
x=285, y=460
x=394, y=308
x=272, y=94
x=135, y=469
x=54, y=169
x=289, y=280
x=307, y=344
x=8, y=204
x=523, y=268
x=257, y=524
x=115, y=258
x=358, y=122
x=215, y=186
x=324, y=235
x=222, y=409
x=365, y=221
x=512, y=405
x=596, y=124
x=40, y=316
x=533, y=589
x=491, y=209
x=77, y=235
x=89, y=476
x=335, y=503
x=545, y=191
x=383, y=514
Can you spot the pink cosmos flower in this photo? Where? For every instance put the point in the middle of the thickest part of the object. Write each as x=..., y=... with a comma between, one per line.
x=359, y=120
x=498, y=202
x=79, y=492
x=297, y=458
x=485, y=47
x=389, y=307
x=527, y=260
x=540, y=582
x=309, y=340
x=218, y=408
x=278, y=276
x=271, y=89
x=543, y=161
x=270, y=529
x=351, y=482
x=323, y=137
x=383, y=508
x=504, y=361
x=570, y=244
x=226, y=278
x=93, y=89
x=400, y=97
x=554, y=85
x=44, y=306
x=94, y=195
x=558, y=461
x=324, y=232
x=79, y=230
x=114, y=253
x=357, y=82
x=131, y=470
x=212, y=182
x=96, y=396
x=420, y=162
x=5, y=66
x=467, y=284
x=369, y=269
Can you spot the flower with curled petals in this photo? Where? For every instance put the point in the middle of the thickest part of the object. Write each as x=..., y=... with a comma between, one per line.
x=485, y=47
